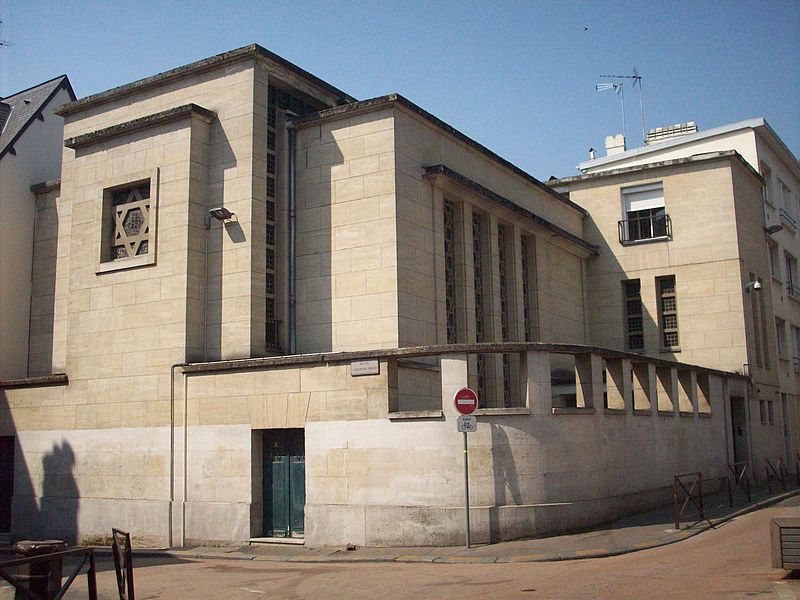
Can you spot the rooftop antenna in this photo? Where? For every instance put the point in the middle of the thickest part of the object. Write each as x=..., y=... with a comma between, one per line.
x=3, y=44
x=637, y=79
x=619, y=91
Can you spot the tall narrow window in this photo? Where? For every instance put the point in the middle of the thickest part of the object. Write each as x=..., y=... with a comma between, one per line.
x=634, y=332
x=780, y=337
x=792, y=283
x=271, y=321
x=766, y=191
x=774, y=260
x=667, y=312
x=450, y=271
x=477, y=262
x=502, y=241
x=763, y=320
x=528, y=250
x=755, y=311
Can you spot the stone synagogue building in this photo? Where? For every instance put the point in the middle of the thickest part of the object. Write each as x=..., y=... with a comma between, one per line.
x=251, y=297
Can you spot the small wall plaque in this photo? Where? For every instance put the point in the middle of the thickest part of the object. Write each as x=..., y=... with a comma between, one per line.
x=359, y=368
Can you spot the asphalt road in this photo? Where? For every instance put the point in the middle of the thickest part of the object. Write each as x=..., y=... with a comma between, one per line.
x=732, y=561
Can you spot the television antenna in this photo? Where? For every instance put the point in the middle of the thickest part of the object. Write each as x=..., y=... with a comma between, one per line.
x=3, y=44
x=637, y=80
x=619, y=91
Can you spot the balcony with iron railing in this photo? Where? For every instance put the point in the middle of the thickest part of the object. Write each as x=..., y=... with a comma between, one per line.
x=793, y=289
x=651, y=228
x=796, y=364
x=787, y=219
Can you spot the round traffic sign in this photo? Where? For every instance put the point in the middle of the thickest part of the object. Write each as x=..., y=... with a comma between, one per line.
x=466, y=401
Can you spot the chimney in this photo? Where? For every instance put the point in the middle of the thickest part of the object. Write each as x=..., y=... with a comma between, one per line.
x=615, y=144
x=591, y=153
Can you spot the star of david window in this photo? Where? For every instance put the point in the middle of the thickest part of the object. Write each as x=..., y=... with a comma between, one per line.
x=131, y=222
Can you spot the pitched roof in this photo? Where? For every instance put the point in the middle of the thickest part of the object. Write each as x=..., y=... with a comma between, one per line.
x=24, y=106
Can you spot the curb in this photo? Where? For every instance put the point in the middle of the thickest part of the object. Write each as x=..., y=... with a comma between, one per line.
x=337, y=558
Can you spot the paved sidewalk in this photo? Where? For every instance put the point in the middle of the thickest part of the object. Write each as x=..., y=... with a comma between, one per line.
x=629, y=534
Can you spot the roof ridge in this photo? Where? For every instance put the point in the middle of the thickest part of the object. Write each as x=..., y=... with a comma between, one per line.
x=33, y=87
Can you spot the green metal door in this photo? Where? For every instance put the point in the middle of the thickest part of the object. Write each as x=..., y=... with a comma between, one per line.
x=284, y=489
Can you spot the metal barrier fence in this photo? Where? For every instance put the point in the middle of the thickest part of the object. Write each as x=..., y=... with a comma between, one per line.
x=28, y=587
x=775, y=472
x=741, y=479
x=690, y=486
x=123, y=563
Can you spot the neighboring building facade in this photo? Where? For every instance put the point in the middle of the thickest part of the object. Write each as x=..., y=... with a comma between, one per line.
x=706, y=214
x=30, y=153
x=267, y=293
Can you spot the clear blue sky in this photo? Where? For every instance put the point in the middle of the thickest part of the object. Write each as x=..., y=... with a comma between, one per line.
x=518, y=77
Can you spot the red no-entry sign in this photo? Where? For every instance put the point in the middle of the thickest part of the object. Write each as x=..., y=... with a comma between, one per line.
x=466, y=401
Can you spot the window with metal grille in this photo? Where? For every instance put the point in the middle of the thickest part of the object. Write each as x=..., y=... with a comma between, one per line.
x=502, y=240
x=127, y=222
x=477, y=263
x=450, y=272
x=667, y=312
x=529, y=303
x=634, y=331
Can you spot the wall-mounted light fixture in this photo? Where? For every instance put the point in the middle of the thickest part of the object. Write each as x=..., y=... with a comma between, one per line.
x=220, y=213
x=753, y=285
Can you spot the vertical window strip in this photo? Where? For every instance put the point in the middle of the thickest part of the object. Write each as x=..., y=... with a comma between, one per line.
x=763, y=319
x=754, y=310
x=477, y=262
x=668, y=312
x=450, y=271
x=634, y=332
x=502, y=264
x=526, y=298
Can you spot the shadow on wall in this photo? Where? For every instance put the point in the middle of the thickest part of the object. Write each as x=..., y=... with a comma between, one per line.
x=59, y=503
x=28, y=511
x=506, y=480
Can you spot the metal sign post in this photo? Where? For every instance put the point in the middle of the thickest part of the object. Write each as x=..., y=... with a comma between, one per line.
x=466, y=487
x=466, y=401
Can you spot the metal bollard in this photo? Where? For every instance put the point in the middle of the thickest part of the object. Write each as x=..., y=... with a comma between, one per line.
x=43, y=578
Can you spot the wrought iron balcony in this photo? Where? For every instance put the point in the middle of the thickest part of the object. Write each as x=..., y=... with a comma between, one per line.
x=793, y=289
x=796, y=364
x=638, y=230
x=787, y=219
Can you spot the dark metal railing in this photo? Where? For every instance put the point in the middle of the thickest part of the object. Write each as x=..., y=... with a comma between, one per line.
x=741, y=479
x=689, y=486
x=22, y=585
x=642, y=229
x=123, y=563
x=793, y=289
x=786, y=218
x=797, y=467
x=775, y=472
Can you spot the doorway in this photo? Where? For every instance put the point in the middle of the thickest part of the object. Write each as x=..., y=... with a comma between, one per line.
x=6, y=481
x=739, y=426
x=284, y=482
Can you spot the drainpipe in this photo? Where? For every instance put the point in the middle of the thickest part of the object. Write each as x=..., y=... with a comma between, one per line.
x=292, y=238
x=171, y=448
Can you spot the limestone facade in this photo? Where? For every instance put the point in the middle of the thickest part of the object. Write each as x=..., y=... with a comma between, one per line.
x=422, y=263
